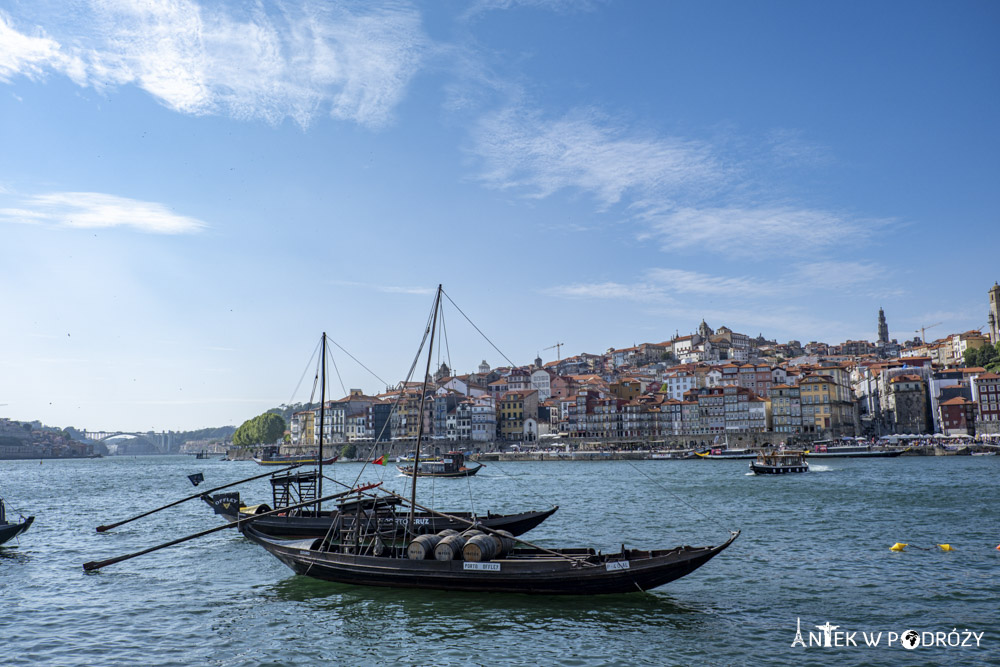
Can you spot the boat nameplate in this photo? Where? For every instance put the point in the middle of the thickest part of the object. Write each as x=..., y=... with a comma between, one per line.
x=486, y=567
x=617, y=565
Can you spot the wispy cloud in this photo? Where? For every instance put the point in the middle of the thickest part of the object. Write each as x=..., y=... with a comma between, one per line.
x=680, y=192
x=680, y=286
x=747, y=230
x=255, y=61
x=93, y=210
x=388, y=289
x=586, y=152
x=640, y=292
x=693, y=282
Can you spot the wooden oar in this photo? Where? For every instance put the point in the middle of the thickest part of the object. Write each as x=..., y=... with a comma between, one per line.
x=96, y=565
x=101, y=529
x=479, y=526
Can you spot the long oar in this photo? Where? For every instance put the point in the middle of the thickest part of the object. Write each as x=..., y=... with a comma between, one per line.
x=479, y=526
x=96, y=565
x=101, y=529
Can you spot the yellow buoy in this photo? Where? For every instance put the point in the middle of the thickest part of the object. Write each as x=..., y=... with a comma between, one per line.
x=945, y=547
x=898, y=546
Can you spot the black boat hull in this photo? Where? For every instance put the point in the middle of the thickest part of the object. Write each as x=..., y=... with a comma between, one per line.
x=308, y=527
x=759, y=469
x=464, y=472
x=9, y=531
x=527, y=571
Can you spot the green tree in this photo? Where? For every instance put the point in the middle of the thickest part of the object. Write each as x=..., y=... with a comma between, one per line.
x=349, y=451
x=986, y=355
x=971, y=357
x=263, y=429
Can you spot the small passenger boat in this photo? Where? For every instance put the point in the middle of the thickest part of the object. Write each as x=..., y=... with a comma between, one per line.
x=450, y=465
x=779, y=462
x=8, y=530
x=270, y=457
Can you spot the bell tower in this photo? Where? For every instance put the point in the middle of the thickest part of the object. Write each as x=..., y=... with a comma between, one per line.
x=883, y=328
x=994, y=317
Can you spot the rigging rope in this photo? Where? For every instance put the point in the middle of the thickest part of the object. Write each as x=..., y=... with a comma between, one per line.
x=676, y=497
x=337, y=370
x=478, y=330
x=304, y=371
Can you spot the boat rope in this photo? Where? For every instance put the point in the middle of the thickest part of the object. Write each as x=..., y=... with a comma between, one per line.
x=395, y=405
x=487, y=338
x=531, y=490
x=329, y=355
x=306, y=370
x=677, y=497
x=447, y=349
x=472, y=499
x=356, y=361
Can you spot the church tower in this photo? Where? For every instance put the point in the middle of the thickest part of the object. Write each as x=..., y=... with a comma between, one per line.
x=994, y=318
x=883, y=328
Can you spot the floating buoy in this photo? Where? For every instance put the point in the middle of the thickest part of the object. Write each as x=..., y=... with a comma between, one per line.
x=899, y=546
x=945, y=547
x=998, y=547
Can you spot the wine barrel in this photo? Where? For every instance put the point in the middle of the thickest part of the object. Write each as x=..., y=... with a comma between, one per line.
x=447, y=532
x=422, y=547
x=480, y=548
x=506, y=541
x=450, y=548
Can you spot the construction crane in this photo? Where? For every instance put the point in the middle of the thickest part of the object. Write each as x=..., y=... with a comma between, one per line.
x=921, y=331
x=558, y=347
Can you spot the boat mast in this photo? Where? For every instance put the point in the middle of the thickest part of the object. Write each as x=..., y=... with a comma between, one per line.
x=420, y=424
x=322, y=410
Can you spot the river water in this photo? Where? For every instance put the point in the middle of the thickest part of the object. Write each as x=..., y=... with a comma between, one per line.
x=814, y=550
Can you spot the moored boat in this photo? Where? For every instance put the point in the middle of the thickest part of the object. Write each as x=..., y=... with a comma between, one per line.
x=377, y=517
x=725, y=453
x=270, y=457
x=822, y=451
x=779, y=462
x=9, y=530
x=519, y=570
x=450, y=465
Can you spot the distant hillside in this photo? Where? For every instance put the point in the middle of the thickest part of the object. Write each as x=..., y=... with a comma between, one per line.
x=217, y=433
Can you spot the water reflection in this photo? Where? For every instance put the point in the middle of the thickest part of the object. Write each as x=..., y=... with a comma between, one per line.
x=432, y=613
x=11, y=554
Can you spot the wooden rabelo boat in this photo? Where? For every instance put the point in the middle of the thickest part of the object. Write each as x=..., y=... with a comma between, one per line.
x=481, y=559
x=8, y=530
x=270, y=457
x=451, y=464
x=779, y=462
x=518, y=570
x=379, y=517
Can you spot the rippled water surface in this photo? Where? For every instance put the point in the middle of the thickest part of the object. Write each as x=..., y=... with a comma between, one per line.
x=814, y=547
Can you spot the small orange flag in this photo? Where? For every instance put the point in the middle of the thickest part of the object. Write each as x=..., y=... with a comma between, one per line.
x=380, y=461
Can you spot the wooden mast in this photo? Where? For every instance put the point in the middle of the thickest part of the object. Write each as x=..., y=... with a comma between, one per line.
x=420, y=425
x=322, y=410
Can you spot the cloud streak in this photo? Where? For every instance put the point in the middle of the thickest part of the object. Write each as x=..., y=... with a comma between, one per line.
x=95, y=210
x=582, y=151
x=674, y=286
x=261, y=61
x=679, y=192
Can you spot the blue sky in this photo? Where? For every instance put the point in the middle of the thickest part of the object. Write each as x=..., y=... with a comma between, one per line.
x=191, y=192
